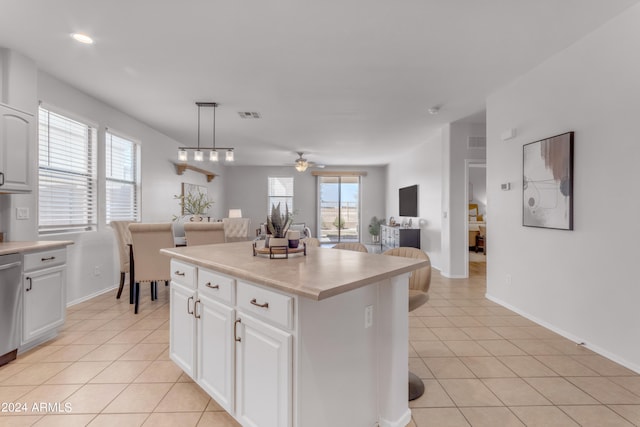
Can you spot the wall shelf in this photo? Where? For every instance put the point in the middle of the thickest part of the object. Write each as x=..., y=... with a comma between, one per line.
x=181, y=167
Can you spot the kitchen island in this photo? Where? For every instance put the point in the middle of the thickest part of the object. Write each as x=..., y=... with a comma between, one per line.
x=307, y=341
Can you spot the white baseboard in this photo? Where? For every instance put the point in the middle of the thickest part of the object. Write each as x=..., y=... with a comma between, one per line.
x=93, y=295
x=601, y=351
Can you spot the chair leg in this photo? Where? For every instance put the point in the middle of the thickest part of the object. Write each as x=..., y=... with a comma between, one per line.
x=122, y=274
x=136, y=297
x=416, y=386
x=151, y=289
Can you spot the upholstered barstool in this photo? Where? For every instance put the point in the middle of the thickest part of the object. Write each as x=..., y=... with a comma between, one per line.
x=419, y=283
x=351, y=246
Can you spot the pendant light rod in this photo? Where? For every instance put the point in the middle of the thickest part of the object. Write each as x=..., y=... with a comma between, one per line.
x=213, y=156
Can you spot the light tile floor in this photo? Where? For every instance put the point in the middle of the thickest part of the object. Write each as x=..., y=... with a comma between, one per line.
x=482, y=365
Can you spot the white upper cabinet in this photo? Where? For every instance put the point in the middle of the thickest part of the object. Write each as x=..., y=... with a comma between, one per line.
x=17, y=133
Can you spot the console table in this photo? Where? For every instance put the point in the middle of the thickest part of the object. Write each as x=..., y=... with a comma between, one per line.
x=393, y=237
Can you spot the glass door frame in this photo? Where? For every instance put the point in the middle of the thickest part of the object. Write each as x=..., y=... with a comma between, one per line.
x=339, y=177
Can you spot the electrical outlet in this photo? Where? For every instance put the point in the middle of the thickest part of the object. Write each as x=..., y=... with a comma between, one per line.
x=96, y=271
x=368, y=316
x=22, y=213
x=507, y=279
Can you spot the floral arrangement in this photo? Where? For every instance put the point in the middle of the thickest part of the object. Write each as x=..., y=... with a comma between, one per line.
x=194, y=203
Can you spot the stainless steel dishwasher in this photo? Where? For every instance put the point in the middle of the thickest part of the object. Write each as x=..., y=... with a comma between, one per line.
x=10, y=306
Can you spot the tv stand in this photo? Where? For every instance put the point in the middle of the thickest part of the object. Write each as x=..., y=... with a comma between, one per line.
x=393, y=237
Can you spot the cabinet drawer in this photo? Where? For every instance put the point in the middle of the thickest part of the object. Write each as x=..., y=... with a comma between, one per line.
x=44, y=259
x=183, y=273
x=216, y=286
x=272, y=306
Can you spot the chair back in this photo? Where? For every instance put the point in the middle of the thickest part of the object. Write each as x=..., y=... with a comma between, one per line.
x=148, y=239
x=483, y=230
x=123, y=239
x=420, y=279
x=312, y=242
x=351, y=246
x=204, y=233
x=236, y=229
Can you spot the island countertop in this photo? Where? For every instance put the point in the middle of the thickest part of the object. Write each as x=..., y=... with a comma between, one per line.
x=28, y=246
x=322, y=273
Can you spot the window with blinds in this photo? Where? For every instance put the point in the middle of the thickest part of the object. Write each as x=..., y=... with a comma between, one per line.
x=67, y=174
x=280, y=191
x=122, y=182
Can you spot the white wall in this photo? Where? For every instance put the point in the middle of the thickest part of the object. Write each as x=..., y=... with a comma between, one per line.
x=581, y=283
x=455, y=189
x=246, y=188
x=421, y=166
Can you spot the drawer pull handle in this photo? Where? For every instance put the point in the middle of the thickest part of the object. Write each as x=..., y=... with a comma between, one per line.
x=195, y=309
x=189, y=305
x=209, y=285
x=254, y=302
x=235, y=330
x=51, y=258
x=178, y=273
x=30, y=284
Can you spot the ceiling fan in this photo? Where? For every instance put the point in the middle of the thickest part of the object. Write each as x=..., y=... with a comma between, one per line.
x=302, y=164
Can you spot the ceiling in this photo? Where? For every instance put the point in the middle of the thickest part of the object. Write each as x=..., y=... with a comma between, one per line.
x=344, y=81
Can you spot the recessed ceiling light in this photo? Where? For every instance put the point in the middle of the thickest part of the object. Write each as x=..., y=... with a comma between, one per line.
x=434, y=110
x=82, y=38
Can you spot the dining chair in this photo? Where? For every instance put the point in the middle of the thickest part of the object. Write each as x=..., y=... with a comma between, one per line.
x=351, y=246
x=204, y=233
x=311, y=242
x=123, y=240
x=419, y=282
x=236, y=229
x=149, y=264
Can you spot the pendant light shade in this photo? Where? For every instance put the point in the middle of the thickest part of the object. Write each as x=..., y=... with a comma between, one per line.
x=213, y=156
x=229, y=156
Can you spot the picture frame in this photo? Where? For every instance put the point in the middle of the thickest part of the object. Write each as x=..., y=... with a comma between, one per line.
x=547, y=182
x=191, y=191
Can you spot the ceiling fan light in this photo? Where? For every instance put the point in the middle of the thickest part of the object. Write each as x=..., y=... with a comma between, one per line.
x=182, y=155
x=301, y=165
x=213, y=156
x=229, y=156
x=198, y=156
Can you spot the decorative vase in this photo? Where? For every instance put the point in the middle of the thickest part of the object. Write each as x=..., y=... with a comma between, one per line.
x=375, y=238
x=294, y=238
x=278, y=241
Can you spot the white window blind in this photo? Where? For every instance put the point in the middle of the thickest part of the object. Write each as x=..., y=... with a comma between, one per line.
x=67, y=174
x=122, y=184
x=280, y=191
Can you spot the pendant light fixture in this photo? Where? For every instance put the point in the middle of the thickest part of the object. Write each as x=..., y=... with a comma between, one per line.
x=198, y=155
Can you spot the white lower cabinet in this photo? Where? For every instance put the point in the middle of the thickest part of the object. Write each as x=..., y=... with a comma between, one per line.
x=43, y=302
x=215, y=355
x=182, y=327
x=244, y=363
x=44, y=296
x=264, y=369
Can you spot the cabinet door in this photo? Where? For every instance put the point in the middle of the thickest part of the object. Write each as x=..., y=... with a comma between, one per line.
x=16, y=134
x=215, y=355
x=44, y=302
x=264, y=374
x=182, y=327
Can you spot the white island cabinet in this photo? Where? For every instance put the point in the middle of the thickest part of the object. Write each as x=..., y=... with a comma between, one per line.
x=308, y=341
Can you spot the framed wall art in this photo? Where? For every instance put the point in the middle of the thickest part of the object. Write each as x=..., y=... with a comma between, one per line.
x=547, y=179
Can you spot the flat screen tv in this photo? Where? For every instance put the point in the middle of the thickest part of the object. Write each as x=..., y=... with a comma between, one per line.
x=408, y=201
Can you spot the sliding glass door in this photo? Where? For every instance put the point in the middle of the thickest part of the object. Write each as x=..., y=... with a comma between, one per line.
x=339, y=205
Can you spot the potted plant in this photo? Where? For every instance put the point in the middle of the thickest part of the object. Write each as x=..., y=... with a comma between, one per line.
x=374, y=229
x=278, y=225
